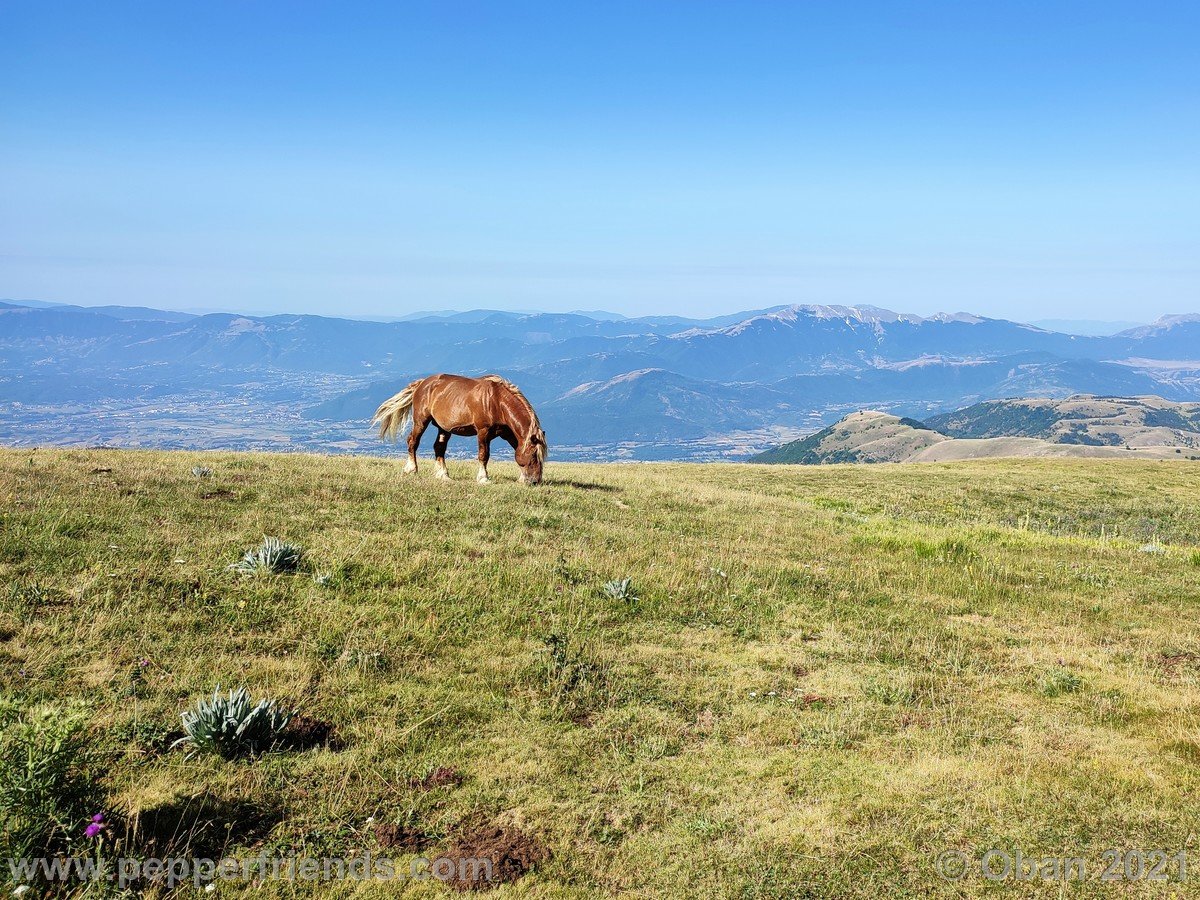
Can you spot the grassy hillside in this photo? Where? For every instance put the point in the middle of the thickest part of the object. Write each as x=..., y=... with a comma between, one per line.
x=1138, y=422
x=828, y=675
x=866, y=436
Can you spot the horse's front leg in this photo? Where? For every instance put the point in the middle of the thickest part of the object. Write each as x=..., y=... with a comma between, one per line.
x=439, y=455
x=485, y=452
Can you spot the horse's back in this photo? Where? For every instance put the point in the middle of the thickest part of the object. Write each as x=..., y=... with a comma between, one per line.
x=463, y=383
x=458, y=401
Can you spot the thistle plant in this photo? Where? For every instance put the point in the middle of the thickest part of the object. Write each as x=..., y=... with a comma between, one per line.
x=46, y=788
x=272, y=557
x=620, y=589
x=232, y=724
x=201, y=471
x=571, y=677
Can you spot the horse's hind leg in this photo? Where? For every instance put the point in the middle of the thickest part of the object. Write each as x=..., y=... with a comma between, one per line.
x=439, y=455
x=414, y=442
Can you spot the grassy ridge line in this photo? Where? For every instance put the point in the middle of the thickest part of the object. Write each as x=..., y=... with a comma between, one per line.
x=830, y=675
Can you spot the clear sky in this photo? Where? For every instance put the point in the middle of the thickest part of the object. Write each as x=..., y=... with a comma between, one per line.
x=1017, y=159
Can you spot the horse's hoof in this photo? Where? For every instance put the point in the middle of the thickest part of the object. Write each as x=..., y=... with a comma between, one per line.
x=442, y=474
x=409, y=468
x=483, y=479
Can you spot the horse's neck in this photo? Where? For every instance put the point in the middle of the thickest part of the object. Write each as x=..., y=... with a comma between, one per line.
x=515, y=417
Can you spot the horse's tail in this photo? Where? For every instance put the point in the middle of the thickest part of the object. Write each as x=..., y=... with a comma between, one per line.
x=394, y=412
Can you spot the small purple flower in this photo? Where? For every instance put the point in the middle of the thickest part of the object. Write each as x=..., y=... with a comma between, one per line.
x=96, y=826
x=142, y=663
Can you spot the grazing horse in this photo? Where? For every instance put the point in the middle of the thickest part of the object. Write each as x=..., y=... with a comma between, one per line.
x=488, y=407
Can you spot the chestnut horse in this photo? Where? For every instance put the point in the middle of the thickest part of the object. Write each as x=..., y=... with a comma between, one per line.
x=488, y=407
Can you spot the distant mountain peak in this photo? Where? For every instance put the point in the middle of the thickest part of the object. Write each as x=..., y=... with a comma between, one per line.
x=1166, y=322
x=964, y=317
x=1161, y=324
x=864, y=314
x=242, y=325
x=592, y=387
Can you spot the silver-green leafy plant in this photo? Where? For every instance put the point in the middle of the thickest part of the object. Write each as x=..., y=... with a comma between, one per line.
x=620, y=589
x=201, y=471
x=233, y=725
x=272, y=557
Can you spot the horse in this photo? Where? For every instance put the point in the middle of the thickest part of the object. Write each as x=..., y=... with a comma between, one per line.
x=488, y=407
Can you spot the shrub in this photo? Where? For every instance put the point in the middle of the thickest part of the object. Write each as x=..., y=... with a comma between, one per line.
x=232, y=725
x=271, y=557
x=46, y=794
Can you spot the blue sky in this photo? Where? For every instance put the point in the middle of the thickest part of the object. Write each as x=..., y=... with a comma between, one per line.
x=1024, y=160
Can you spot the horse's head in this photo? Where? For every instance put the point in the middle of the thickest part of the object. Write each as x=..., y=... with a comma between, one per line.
x=531, y=455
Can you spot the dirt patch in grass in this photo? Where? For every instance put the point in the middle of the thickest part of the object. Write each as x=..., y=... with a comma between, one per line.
x=219, y=494
x=401, y=837
x=307, y=733
x=511, y=851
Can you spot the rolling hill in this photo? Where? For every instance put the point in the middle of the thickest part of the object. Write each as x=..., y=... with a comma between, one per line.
x=867, y=436
x=1082, y=426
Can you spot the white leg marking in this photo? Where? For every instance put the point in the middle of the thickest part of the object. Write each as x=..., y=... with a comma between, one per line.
x=410, y=466
x=440, y=469
x=523, y=479
x=481, y=477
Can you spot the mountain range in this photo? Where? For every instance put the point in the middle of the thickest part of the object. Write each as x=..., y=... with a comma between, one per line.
x=605, y=386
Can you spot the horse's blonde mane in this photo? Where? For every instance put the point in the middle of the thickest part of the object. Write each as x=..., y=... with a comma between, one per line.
x=540, y=449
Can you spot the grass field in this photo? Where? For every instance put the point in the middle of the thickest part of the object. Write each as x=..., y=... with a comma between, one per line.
x=825, y=677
